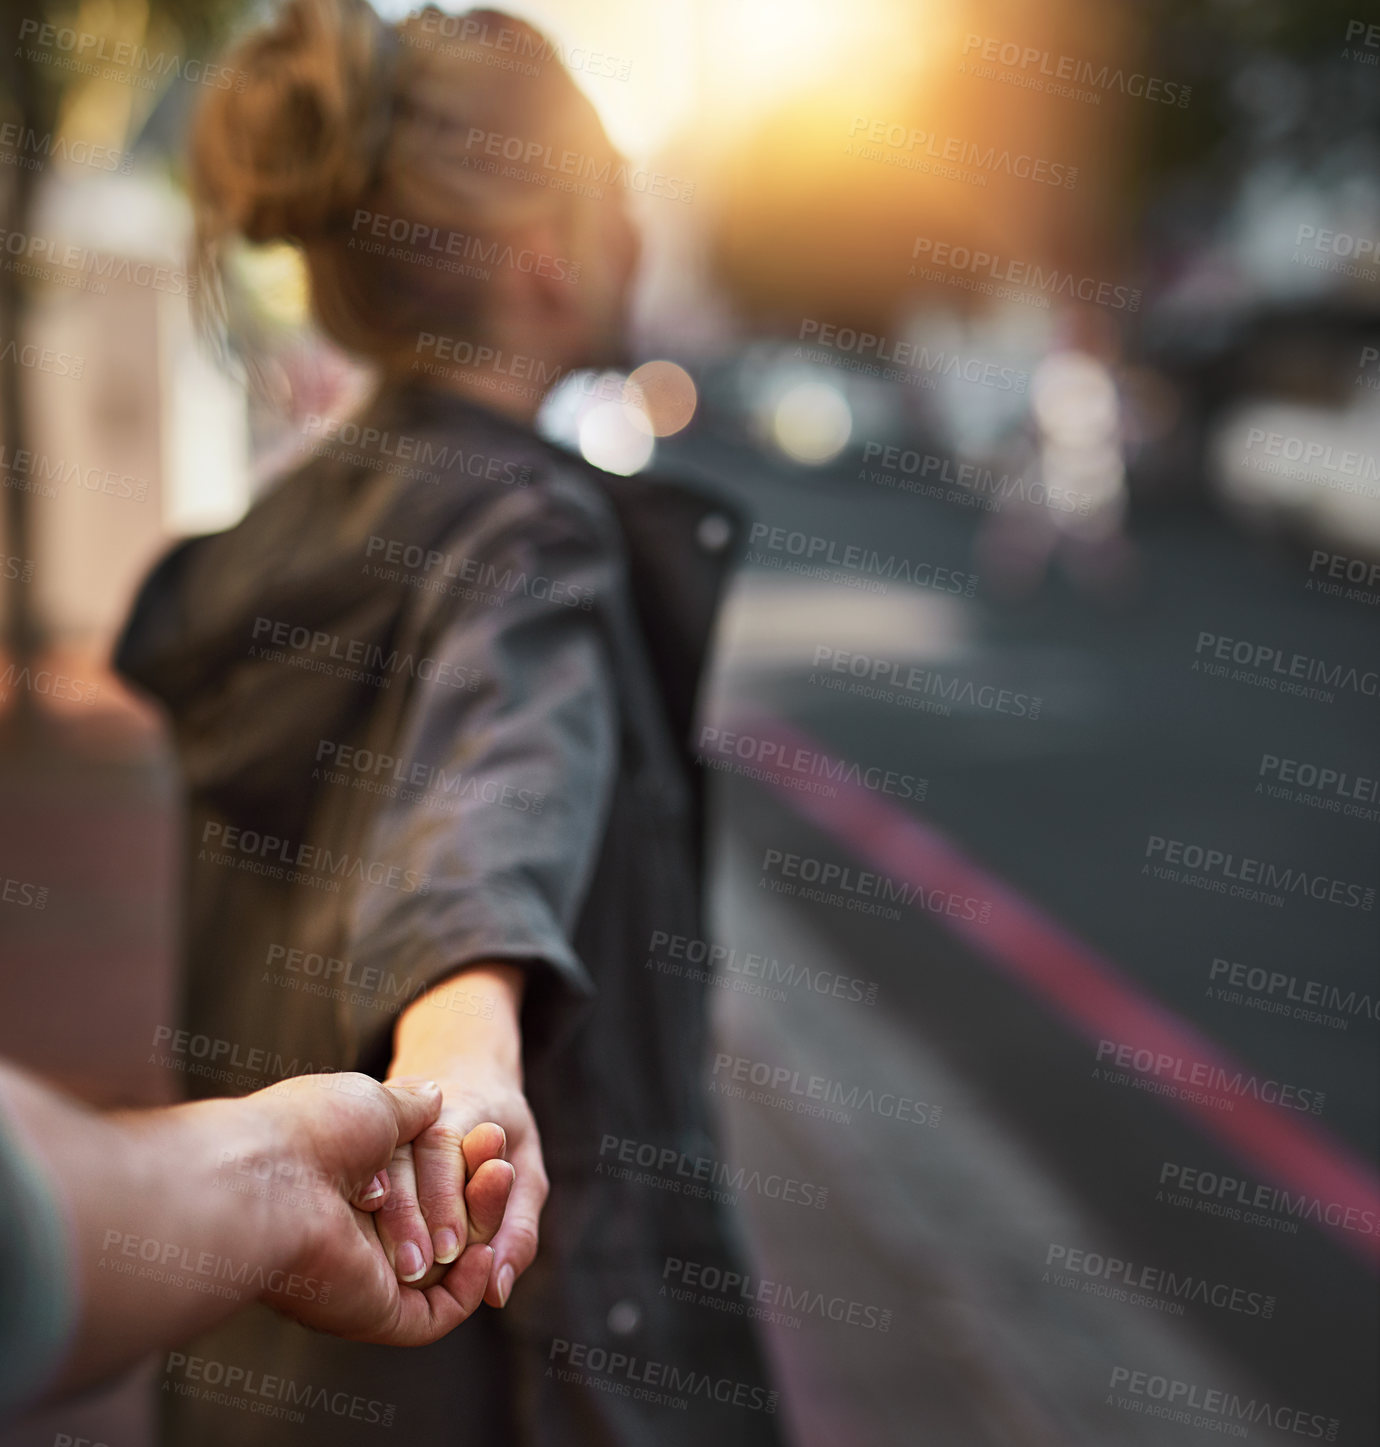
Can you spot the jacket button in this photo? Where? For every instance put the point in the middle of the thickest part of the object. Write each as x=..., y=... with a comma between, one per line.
x=624, y=1318
x=713, y=532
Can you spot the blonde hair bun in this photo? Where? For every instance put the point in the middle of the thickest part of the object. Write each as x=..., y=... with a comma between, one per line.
x=294, y=142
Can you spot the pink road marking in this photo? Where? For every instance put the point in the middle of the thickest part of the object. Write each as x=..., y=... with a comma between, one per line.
x=1091, y=992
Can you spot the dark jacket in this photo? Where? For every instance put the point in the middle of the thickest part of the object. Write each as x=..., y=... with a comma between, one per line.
x=432, y=699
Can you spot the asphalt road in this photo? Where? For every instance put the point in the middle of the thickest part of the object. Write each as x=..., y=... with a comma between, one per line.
x=952, y=1226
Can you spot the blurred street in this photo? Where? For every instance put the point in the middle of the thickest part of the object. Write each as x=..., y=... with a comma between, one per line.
x=952, y=1226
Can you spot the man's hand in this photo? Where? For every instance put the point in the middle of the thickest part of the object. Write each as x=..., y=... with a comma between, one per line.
x=465, y=1034
x=277, y=1191
x=343, y=1131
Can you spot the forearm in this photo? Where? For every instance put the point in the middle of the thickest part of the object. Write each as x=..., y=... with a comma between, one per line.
x=161, y=1244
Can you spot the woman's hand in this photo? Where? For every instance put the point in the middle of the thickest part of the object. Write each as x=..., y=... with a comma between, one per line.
x=465, y=1035
x=340, y=1130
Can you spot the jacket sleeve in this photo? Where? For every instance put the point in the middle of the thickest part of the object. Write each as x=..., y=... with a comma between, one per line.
x=505, y=784
x=40, y=1312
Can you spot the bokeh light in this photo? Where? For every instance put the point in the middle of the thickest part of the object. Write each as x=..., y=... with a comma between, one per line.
x=812, y=422
x=665, y=393
x=1073, y=398
x=1075, y=402
x=617, y=437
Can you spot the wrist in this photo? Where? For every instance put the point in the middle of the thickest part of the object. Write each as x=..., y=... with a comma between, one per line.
x=471, y=1020
x=264, y=1168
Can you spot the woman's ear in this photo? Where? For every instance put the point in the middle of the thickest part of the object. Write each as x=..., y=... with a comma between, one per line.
x=542, y=277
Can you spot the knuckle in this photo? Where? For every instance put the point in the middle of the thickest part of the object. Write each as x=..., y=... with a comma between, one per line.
x=523, y=1238
x=442, y=1136
x=442, y=1194
x=400, y=1209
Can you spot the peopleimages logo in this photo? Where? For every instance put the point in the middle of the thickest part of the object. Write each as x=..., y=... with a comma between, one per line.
x=1180, y=1287
x=370, y=979
x=700, y=1177
x=1218, y=1410
x=862, y=891
x=972, y=261
x=1322, y=778
x=1339, y=243
x=872, y=677
x=89, y=53
x=641, y=1379
x=1297, y=781
x=1362, y=574
x=1268, y=665
x=348, y=441
x=566, y=170
x=174, y=1262
x=1240, y=1200
x=686, y=956
x=741, y=1294
x=812, y=554
x=402, y=239
x=461, y=352
x=32, y=150
x=908, y=470
x=22, y=892
x=416, y=781
x=41, y=359
x=28, y=471
x=357, y=659
x=509, y=48
x=226, y=1384
x=1367, y=32
x=398, y=560
x=797, y=766
x=910, y=357
x=1199, y=1074
x=782, y=1080
x=280, y=858
x=225, y=1057
x=48, y=683
x=1276, y=993
x=917, y=148
x=1043, y=70
x=1339, y=470
x=1219, y=865
x=66, y=264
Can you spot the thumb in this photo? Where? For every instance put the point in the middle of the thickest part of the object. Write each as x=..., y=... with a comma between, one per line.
x=416, y=1103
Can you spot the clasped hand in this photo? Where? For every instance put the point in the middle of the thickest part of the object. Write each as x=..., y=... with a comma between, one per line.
x=348, y=1144
x=444, y=1161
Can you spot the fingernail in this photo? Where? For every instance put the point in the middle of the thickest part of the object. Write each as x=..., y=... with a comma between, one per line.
x=375, y=1190
x=446, y=1244
x=505, y=1284
x=411, y=1263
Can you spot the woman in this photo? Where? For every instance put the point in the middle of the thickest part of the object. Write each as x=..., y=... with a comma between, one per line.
x=432, y=701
